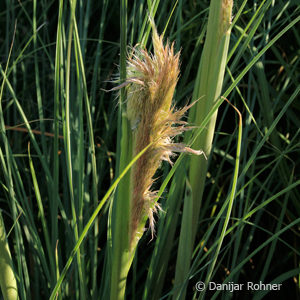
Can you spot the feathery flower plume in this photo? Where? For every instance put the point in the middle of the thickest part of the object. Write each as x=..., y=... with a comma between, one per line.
x=151, y=83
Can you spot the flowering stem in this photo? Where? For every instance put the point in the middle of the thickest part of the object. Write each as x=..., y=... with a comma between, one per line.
x=149, y=120
x=208, y=89
x=8, y=281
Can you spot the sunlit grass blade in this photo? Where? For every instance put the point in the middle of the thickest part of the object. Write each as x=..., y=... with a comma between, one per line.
x=91, y=221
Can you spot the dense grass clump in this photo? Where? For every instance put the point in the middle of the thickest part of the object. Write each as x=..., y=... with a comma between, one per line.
x=82, y=170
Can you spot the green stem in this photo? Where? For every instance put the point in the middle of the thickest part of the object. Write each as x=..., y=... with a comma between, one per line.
x=121, y=254
x=208, y=89
x=8, y=281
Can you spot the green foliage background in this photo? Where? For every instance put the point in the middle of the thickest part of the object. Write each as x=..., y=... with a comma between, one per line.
x=59, y=131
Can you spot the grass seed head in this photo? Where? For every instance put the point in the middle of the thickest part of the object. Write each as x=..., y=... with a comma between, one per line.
x=153, y=119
